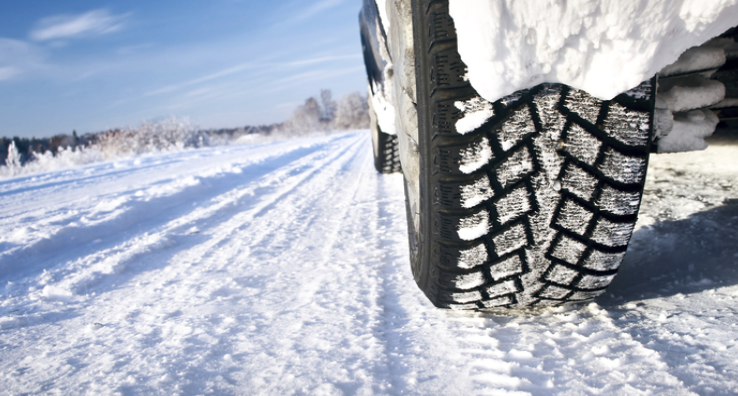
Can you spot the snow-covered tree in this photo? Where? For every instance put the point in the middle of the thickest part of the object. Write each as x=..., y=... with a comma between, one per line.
x=352, y=112
x=14, y=159
x=328, y=106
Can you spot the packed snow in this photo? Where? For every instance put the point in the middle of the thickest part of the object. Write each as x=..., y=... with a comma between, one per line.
x=603, y=47
x=282, y=268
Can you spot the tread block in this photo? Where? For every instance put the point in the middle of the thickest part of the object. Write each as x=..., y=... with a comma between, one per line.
x=552, y=121
x=585, y=295
x=515, y=127
x=547, y=303
x=445, y=117
x=510, y=240
x=642, y=92
x=465, y=259
x=623, y=168
x=585, y=106
x=463, y=297
x=561, y=275
x=463, y=158
x=466, y=194
x=500, y=289
x=498, y=302
x=568, y=250
x=472, y=194
x=581, y=144
x=388, y=158
x=462, y=281
x=627, y=125
x=515, y=168
x=574, y=217
x=594, y=282
x=579, y=182
x=612, y=234
x=621, y=203
x=468, y=228
x=553, y=292
x=602, y=261
x=513, y=205
x=507, y=267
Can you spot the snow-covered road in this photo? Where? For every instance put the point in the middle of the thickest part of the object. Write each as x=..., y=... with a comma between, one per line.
x=282, y=269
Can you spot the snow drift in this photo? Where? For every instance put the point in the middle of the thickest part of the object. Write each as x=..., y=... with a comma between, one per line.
x=603, y=47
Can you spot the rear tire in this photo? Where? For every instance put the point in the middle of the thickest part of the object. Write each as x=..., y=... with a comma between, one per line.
x=536, y=206
x=386, y=148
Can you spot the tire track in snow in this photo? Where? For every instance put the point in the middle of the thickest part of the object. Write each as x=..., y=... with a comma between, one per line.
x=168, y=327
x=171, y=211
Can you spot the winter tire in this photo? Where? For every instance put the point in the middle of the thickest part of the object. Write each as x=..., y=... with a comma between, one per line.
x=534, y=207
x=386, y=148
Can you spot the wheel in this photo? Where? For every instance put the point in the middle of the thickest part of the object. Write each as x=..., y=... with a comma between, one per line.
x=532, y=207
x=386, y=147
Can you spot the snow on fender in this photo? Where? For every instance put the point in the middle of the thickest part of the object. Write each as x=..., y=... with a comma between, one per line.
x=603, y=47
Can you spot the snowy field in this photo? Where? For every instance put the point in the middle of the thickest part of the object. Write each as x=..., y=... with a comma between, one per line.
x=282, y=269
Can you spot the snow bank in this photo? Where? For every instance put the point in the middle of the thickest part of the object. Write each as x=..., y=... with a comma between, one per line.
x=283, y=269
x=602, y=47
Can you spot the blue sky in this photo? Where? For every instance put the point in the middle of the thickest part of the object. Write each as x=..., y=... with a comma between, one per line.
x=94, y=65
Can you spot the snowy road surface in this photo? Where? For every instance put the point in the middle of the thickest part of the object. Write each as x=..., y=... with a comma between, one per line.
x=283, y=269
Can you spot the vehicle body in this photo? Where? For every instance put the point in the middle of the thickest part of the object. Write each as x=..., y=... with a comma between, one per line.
x=522, y=188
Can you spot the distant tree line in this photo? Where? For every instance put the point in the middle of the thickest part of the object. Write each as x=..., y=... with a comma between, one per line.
x=316, y=115
x=325, y=114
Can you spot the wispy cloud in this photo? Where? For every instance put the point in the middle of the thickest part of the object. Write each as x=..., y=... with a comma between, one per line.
x=221, y=73
x=17, y=57
x=95, y=22
x=250, y=66
x=311, y=11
